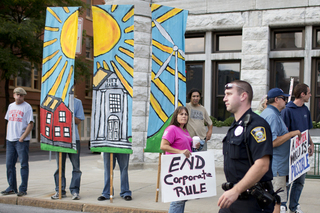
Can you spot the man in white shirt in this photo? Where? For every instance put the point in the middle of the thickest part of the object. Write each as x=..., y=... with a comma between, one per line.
x=20, y=124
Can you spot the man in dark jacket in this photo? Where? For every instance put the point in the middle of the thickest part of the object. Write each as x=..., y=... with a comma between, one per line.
x=297, y=116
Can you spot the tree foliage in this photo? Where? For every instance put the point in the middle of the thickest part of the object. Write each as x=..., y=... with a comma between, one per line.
x=22, y=25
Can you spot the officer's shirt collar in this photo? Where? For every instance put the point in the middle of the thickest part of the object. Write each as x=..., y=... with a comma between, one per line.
x=240, y=121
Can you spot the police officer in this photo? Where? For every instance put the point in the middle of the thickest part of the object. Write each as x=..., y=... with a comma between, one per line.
x=237, y=168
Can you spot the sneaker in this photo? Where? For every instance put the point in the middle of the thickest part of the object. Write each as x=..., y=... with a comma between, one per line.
x=5, y=192
x=283, y=209
x=56, y=196
x=298, y=210
x=20, y=194
x=76, y=196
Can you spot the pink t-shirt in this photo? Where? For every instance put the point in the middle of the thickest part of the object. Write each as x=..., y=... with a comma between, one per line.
x=178, y=138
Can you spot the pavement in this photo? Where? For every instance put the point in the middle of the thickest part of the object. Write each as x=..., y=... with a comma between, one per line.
x=142, y=179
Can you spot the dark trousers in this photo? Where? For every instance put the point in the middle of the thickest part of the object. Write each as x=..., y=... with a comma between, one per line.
x=249, y=205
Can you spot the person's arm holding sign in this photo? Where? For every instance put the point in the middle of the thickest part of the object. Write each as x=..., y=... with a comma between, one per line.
x=311, y=147
x=166, y=146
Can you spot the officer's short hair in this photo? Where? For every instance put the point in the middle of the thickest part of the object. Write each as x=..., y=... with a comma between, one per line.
x=245, y=87
x=300, y=88
x=174, y=119
x=192, y=91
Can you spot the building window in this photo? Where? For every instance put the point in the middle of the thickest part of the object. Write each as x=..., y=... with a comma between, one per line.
x=315, y=91
x=89, y=46
x=62, y=116
x=29, y=78
x=283, y=70
x=48, y=120
x=316, y=38
x=57, y=131
x=66, y=132
x=223, y=73
x=194, y=78
x=194, y=43
x=112, y=82
x=88, y=90
x=227, y=42
x=114, y=103
x=287, y=39
x=47, y=131
x=88, y=12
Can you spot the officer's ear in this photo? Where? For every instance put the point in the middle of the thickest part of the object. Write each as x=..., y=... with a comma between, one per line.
x=244, y=96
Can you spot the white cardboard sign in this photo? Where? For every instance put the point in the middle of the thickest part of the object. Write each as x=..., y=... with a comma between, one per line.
x=299, y=157
x=188, y=178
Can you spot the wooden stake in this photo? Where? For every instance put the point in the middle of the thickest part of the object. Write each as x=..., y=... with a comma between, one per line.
x=60, y=173
x=158, y=178
x=111, y=177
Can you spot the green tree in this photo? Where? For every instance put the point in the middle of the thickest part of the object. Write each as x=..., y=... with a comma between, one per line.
x=22, y=25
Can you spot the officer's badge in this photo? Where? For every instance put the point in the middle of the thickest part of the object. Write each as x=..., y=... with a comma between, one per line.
x=259, y=134
x=238, y=131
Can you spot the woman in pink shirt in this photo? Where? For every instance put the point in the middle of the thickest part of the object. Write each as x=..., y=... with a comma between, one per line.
x=176, y=140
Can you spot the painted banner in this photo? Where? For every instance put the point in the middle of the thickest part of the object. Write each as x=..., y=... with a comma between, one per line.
x=299, y=157
x=56, y=102
x=188, y=178
x=168, y=78
x=112, y=78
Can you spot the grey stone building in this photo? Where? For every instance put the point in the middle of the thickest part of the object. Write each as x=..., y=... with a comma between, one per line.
x=263, y=42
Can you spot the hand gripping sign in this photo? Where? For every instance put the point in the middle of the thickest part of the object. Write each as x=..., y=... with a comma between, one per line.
x=188, y=178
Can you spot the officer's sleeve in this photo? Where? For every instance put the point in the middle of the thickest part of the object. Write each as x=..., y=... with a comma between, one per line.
x=260, y=141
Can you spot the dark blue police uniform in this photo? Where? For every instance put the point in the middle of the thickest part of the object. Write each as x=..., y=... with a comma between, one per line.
x=236, y=162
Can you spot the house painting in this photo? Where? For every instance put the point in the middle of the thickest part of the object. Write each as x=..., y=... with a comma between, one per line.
x=56, y=116
x=109, y=111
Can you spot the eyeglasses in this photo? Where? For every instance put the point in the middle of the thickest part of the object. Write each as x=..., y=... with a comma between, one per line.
x=283, y=98
x=230, y=86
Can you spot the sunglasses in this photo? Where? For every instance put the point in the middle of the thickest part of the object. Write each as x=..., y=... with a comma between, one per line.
x=283, y=98
x=230, y=86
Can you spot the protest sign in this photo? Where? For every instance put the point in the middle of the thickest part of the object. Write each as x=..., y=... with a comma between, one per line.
x=188, y=178
x=299, y=158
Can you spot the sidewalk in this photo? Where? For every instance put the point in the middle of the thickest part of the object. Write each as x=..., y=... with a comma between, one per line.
x=142, y=183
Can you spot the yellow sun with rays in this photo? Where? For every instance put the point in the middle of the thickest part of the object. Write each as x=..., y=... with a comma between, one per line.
x=107, y=34
x=68, y=43
x=105, y=38
x=68, y=40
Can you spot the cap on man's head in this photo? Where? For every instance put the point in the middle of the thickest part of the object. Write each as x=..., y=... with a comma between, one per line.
x=275, y=92
x=20, y=91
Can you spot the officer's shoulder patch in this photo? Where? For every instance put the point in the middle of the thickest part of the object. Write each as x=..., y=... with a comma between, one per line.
x=259, y=134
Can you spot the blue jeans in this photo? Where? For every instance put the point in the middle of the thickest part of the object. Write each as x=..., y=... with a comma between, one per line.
x=123, y=161
x=296, y=190
x=17, y=149
x=177, y=206
x=76, y=173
